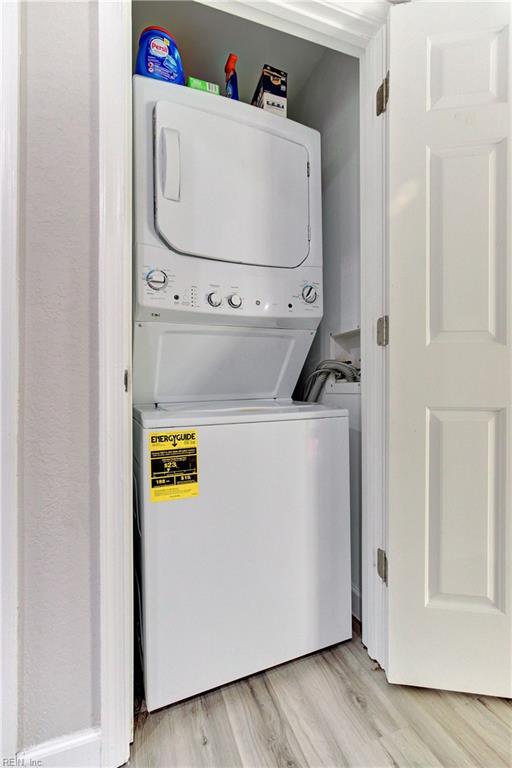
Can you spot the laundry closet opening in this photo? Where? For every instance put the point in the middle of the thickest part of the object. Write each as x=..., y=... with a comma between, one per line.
x=322, y=94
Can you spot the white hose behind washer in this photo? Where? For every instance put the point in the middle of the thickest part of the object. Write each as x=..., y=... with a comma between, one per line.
x=317, y=380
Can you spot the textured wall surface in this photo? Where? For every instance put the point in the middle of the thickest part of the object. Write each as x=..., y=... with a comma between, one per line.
x=59, y=680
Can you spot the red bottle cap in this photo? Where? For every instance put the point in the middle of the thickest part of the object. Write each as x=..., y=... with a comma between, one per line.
x=231, y=63
x=160, y=29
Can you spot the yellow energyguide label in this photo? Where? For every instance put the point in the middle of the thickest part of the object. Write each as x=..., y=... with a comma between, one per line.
x=173, y=472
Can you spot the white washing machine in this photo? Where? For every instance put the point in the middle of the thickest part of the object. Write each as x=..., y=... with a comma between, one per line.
x=245, y=526
x=243, y=494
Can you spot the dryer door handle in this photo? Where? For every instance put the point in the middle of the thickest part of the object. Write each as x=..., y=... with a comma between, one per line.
x=169, y=160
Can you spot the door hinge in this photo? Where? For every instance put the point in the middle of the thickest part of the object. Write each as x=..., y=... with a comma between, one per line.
x=382, y=565
x=125, y=380
x=383, y=331
x=382, y=96
x=308, y=169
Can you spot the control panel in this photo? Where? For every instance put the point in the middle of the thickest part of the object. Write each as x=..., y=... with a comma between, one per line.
x=159, y=288
x=178, y=288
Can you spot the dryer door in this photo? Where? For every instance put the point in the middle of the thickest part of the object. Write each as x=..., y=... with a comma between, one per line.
x=229, y=189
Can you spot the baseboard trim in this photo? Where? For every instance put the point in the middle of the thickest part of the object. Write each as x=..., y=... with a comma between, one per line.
x=81, y=749
x=356, y=602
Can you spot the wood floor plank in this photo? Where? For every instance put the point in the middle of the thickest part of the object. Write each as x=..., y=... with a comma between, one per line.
x=501, y=709
x=407, y=750
x=331, y=719
x=212, y=739
x=262, y=732
x=328, y=710
x=467, y=736
x=476, y=715
x=375, y=717
x=454, y=744
x=297, y=699
x=198, y=734
x=150, y=747
x=409, y=703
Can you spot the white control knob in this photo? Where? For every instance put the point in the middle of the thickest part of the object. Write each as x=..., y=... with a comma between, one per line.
x=214, y=299
x=309, y=294
x=156, y=279
x=235, y=301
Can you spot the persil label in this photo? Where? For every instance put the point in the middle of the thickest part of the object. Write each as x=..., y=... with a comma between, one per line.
x=159, y=47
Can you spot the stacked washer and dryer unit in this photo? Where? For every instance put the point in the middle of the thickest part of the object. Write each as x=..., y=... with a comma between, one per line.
x=243, y=493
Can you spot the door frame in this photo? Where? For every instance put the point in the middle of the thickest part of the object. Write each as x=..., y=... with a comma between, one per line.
x=115, y=376
x=374, y=304
x=115, y=323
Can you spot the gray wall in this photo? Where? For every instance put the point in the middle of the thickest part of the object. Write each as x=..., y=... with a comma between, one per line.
x=59, y=681
x=330, y=103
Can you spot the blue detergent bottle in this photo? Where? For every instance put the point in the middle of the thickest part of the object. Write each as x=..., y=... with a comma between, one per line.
x=159, y=57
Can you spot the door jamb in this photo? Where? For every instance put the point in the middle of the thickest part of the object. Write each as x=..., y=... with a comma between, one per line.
x=374, y=379
x=10, y=20
x=115, y=327
x=115, y=404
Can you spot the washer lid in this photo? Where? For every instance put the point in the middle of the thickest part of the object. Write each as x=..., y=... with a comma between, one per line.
x=229, y=188
x=231, y=412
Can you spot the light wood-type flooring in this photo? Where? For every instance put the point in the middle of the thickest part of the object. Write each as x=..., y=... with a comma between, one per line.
x=333, y=708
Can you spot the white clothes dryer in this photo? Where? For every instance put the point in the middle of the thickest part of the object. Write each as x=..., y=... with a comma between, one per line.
x=228, y=246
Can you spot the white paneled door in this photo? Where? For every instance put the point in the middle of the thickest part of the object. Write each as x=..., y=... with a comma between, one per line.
x=450, y=388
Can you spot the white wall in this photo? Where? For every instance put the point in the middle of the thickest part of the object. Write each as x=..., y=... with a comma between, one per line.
x=330, y=103
x=58, y=672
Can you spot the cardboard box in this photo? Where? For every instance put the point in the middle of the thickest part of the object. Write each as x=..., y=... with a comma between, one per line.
x=271, y=91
